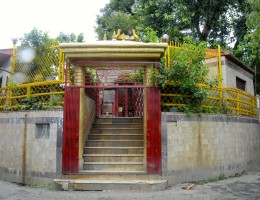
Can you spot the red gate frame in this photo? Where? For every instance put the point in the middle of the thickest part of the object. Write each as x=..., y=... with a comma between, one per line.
x=71, y=127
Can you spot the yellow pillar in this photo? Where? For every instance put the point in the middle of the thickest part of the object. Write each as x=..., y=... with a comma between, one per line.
x=147, y=71
x=220, y=77
x=80, y=81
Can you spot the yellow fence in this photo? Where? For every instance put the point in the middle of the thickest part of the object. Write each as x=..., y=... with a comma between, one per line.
x=220, y=99
x=37, y=78
x=39, y=83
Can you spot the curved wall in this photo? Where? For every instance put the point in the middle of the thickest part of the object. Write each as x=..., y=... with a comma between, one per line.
x=201, y=147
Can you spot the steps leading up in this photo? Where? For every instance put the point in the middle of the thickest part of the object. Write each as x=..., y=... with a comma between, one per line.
x=115, y=144
x=113, y=159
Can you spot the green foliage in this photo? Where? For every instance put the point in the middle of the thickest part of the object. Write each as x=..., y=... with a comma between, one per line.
x=213, y=179
x=34, y=103
x=185, y=73
x=149, y=35
x=40, y=186
x=117, y=14
x=35, y=38
x=202, y=20
x=70, y=37
x=247, y=49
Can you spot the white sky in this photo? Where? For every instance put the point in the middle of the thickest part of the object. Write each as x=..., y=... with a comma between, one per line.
x=52, y=16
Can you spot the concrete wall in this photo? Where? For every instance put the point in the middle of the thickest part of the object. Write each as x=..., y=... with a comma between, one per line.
x=88, y=119
x=231, y=71
x=201, y=147
x=37, y=159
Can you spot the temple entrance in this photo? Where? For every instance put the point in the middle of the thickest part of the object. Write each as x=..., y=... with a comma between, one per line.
x=112, y=114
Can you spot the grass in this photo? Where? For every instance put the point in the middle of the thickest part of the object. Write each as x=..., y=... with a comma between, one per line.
x=213, y=179
x=40, y=186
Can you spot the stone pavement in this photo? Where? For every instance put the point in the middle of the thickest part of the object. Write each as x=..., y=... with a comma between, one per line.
x=246, y=187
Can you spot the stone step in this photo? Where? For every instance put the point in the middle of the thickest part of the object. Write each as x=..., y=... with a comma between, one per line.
x=114, y=143
x=119, y=120
x=113, y=157
x=115, y=137
x=113, y=150
x=99, y=185
x=116, y=130
x=113, y=166
x=113, y=175
x=117, y=125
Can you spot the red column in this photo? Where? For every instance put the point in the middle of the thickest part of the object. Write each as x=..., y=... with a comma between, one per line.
x=70, y=146
x=153, y=126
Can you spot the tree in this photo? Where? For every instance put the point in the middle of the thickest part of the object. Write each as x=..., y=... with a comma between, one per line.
x=186, y=70
x=204, y=20
x=117, y=14
x=38, y=62
x=248, y=48
x=70, y=37
x=35, y=38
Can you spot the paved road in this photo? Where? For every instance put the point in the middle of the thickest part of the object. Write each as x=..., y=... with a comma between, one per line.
x=246, y=187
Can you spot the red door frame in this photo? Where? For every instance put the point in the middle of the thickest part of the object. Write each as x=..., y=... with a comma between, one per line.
x=70, y=147
x=153, y=130
x=71, y=129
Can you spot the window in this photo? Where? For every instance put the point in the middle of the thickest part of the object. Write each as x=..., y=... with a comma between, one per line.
x=1, y=80
x=241, y=84
x=7, y=79
x=42, y=131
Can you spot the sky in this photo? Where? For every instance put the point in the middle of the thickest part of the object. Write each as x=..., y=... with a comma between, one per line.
x=52, y=16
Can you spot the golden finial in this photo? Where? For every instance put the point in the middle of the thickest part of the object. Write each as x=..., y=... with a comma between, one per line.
x=114, y=37
x=105, y=37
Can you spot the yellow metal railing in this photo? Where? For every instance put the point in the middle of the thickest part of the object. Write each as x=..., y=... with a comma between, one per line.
x=219, y=99
x=41, y=77
x=234, y=101
x=13, y=97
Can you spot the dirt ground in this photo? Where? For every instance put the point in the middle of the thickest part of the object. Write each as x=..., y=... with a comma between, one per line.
x=246, y=187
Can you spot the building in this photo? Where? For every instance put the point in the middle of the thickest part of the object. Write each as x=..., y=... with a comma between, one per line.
x=112, y=133
x=5, y=66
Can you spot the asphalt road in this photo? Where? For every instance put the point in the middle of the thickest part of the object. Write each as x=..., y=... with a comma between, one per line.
x=246, y=187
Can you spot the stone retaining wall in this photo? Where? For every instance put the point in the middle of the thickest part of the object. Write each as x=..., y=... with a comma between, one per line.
x=31, y=146
x=201, y=147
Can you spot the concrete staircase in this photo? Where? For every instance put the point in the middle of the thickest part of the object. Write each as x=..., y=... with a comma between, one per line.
x=115, y=145
x=114, y=159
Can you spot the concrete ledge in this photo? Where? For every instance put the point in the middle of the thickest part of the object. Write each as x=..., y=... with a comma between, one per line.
x=199, y=147
x=99, y=185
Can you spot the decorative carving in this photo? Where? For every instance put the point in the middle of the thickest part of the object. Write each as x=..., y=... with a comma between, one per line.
x=132, y=36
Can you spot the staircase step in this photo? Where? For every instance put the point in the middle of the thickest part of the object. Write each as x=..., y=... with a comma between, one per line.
x=117, y=125
x=115, y=137
x=119, y=120
x=90, y=185
x=113, y=166
x=114, y=143
x=113, y=150
x=107, y=174
x=113, y=157
x=116, y=130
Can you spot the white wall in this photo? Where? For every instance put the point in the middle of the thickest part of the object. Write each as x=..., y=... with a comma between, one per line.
x=3, y=74
x=231, y=71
